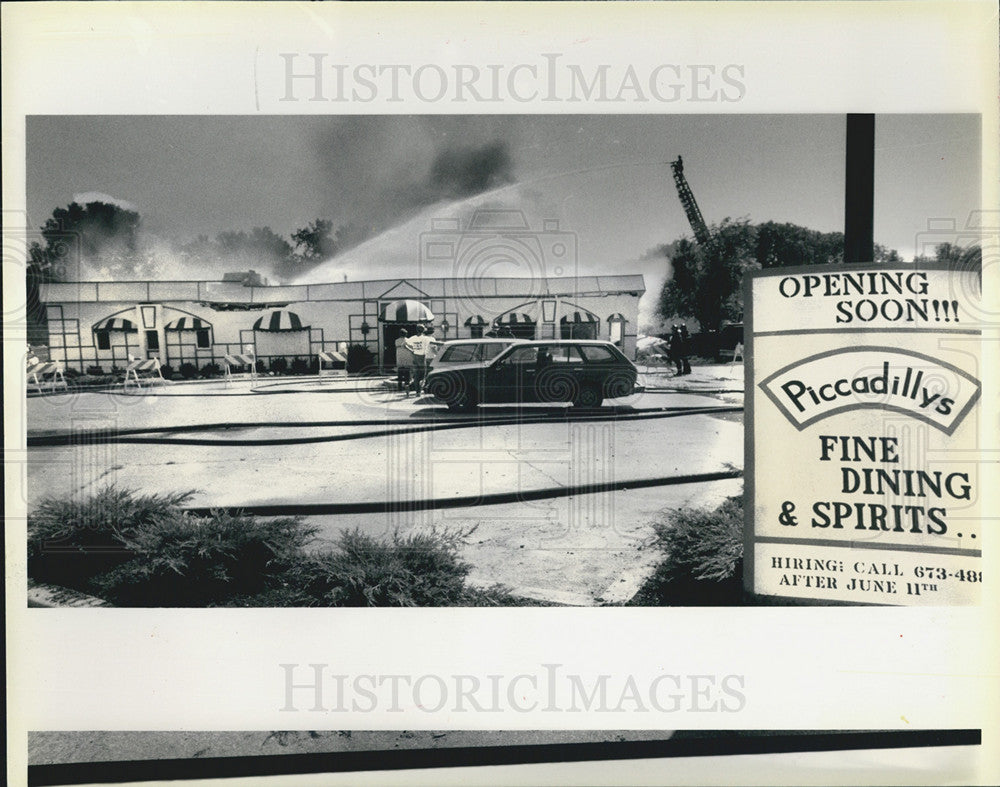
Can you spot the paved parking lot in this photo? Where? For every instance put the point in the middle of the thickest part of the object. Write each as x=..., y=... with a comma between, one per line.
x=365, y=452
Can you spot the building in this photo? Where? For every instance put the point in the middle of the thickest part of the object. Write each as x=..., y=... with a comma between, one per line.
x=199, y=322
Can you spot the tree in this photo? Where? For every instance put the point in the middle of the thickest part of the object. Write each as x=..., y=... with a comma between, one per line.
x=261, y=249
x=883, y=254
x=98, y=236
x=315, y=241
x=785, y=245
x=959, y=256
x=707, y=278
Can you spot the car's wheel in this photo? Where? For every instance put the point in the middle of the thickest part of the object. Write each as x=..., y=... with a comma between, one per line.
x=555, y=385
x=588, y=397
x=618, y=386
x=446, y=387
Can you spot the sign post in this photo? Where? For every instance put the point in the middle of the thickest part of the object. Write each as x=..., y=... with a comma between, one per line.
x=863, y=386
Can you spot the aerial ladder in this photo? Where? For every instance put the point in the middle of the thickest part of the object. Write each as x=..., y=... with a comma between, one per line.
x=689, y=204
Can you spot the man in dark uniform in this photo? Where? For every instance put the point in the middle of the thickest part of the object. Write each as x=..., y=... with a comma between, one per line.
x=685, y=350
x=674, y=350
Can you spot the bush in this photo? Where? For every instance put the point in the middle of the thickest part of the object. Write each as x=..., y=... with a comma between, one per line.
x=145, y=550
x=72, y=541
x=210, y=370
x=279, y=365
x=703, y=556
x=359, y=358
x=167, y=371
x=188, y=370
x=415, y=570
x=300, y=366
x=187, y=561
x=95, y=371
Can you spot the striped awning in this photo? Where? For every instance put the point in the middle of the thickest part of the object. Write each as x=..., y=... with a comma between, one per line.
x=514, y=318
x=406, y=311
x=280, y=320
x=579, y=318
x=476, y=322
x=116, y=324
x=187, y=324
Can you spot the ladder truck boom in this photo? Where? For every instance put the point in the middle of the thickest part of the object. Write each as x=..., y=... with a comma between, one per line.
x=688, y=202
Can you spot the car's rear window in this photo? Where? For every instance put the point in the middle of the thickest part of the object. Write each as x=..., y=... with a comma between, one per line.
x=459, y=353
x=595, y=353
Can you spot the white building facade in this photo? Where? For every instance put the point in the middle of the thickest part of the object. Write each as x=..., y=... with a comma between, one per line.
x=104, y=324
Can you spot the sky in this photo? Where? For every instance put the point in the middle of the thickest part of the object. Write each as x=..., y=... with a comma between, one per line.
x=604, y=178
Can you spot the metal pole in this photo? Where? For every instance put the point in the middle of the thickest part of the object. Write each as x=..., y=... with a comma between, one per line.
x=859, y=189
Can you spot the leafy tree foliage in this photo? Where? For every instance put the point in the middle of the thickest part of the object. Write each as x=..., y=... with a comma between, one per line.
x=315, y=241
x=97, y=233
x=707, y=278
x=970, y=257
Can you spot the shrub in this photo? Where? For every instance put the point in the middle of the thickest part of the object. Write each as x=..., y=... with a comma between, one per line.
x=359, y=358
x=72, y=541
x=703, y=554
x=416, y=570
x=259, y=366
x=210, y=370
x=279, y=365
x=300, y=366
x=188, y=370
x=145, y=550
x=95, y=371
x=167, y=371
x=185, y=561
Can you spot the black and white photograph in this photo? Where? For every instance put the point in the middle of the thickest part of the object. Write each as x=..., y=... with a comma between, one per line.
x=465, y=407
x=428, y=361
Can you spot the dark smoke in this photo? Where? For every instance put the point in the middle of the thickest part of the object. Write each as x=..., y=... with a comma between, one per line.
x=463, y=172
x=393, y=168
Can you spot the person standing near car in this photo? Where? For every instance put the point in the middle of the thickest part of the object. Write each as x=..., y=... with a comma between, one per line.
x=404, y=362
x=419, y=345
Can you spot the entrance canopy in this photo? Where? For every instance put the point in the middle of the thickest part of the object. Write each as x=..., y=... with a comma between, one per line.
x=406, y=312
x=280, y=320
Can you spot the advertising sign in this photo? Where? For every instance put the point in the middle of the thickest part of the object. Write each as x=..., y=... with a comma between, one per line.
x=863, y=388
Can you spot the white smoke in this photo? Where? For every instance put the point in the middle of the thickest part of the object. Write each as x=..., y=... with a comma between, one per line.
x=86, y=197
x=401, y=251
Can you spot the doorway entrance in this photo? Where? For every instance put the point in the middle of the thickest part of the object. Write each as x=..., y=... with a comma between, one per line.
x=390, y=332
